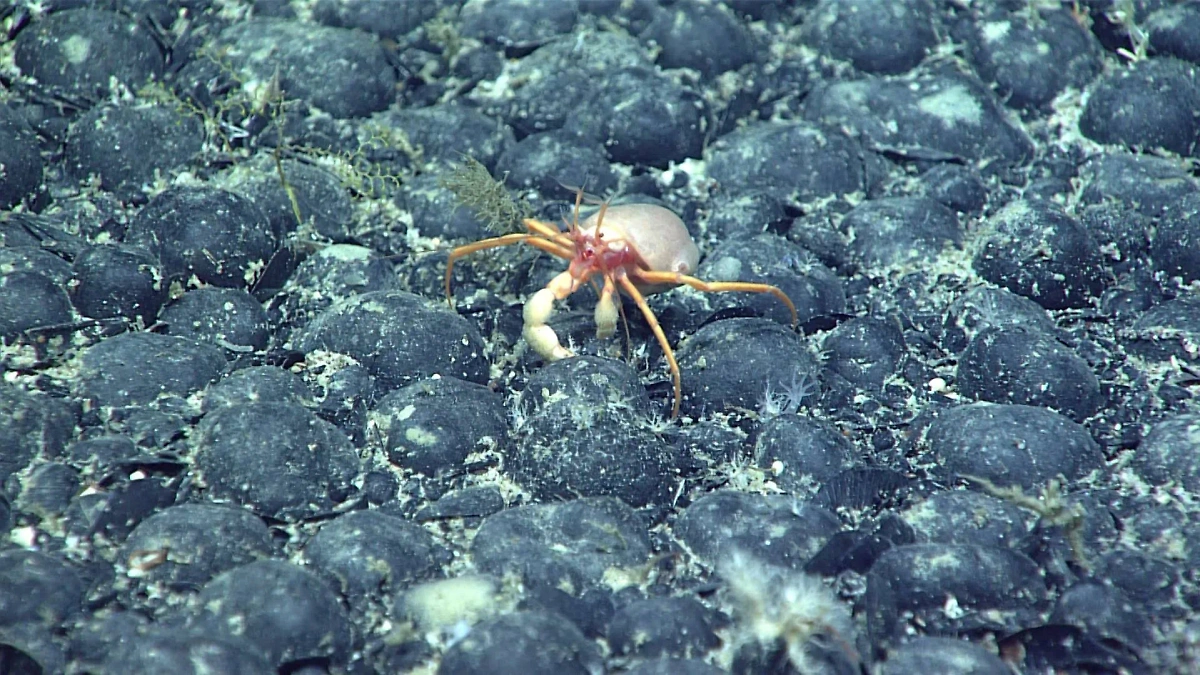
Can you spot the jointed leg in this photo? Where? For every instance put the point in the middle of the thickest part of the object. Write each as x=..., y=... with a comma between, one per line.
x=538, y=310
x=552, y=233
x=633, y=292
x=533, y=239
x=606, y=310
x=717, y=286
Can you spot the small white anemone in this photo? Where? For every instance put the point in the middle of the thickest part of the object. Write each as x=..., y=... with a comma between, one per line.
x=786, y=401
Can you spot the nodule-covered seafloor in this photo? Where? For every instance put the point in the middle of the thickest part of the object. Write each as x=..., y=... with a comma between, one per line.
x=243, y=431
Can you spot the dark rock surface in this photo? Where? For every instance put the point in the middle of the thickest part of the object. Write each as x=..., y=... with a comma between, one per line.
x=242, y=430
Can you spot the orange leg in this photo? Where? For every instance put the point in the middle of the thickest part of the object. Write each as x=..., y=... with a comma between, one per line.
x=633, y=292
x=549, y=232
x=716, y=286
x=537, y=240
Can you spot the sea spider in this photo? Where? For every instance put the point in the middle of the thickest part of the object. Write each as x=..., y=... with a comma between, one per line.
x=636, y=249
